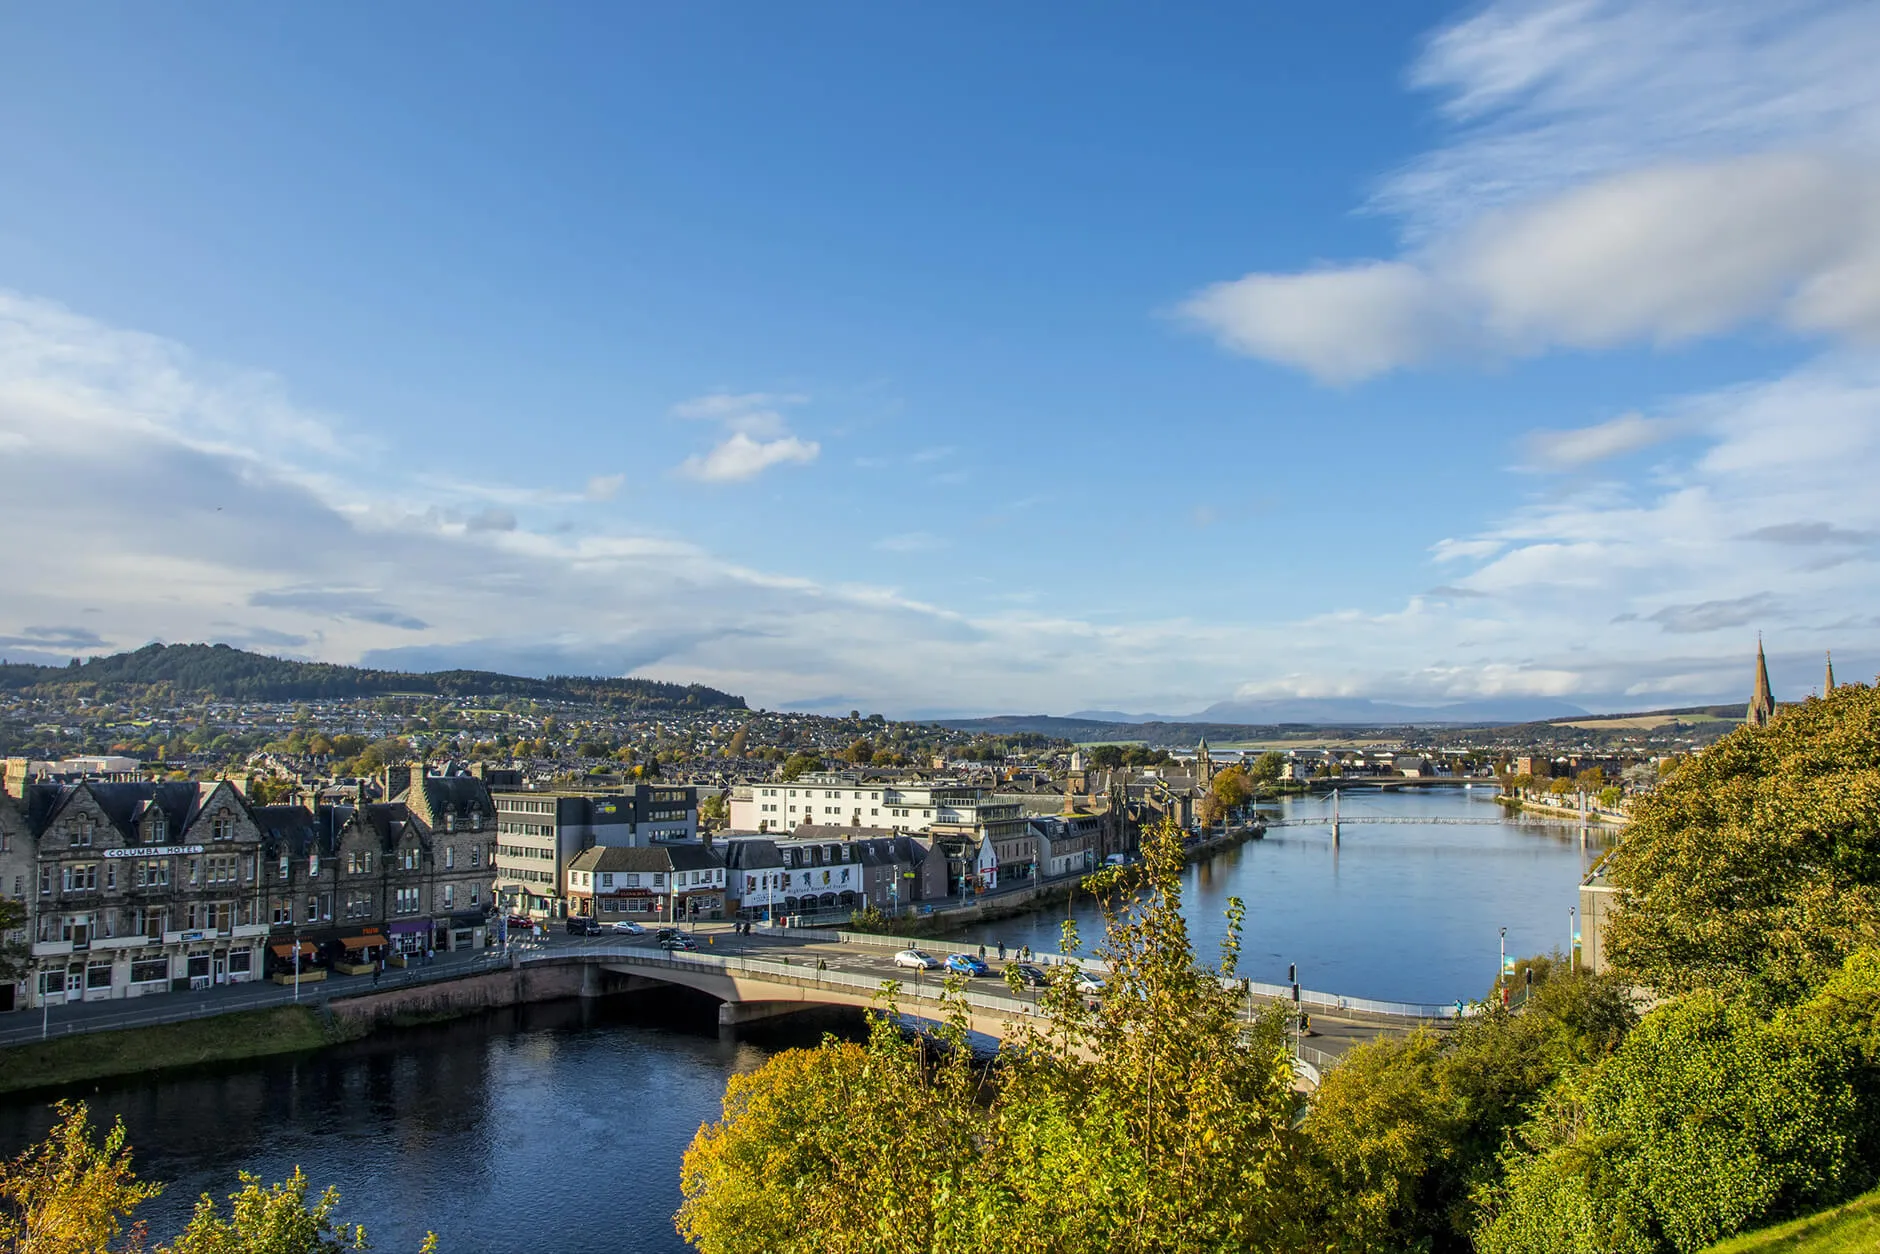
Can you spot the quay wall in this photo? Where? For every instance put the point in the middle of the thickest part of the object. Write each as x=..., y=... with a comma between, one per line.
x=472, y=994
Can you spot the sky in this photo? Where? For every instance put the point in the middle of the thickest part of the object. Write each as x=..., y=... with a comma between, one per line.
x=969, y=359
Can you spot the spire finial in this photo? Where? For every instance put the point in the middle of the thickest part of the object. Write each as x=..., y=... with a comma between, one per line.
x=1830, y=685
x=1762, y=702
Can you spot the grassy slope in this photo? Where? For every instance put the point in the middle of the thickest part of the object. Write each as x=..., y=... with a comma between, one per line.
x=249, y=1034
x=1850, y=1229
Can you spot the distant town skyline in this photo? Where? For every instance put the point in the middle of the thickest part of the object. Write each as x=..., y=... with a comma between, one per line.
x=953, y=363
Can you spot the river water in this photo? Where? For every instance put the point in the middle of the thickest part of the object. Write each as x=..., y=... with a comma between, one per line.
x=561, y=1126
x=1395, y=912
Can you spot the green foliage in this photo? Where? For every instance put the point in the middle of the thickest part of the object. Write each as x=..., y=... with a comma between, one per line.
x=1267, y=767
x=1850, y=1229
x=1147, y=1122
x=70, y=1194
x=1706, y=1119
x=1756, y=864
x=1403, y=1132
x=15, y=957
x=798, y=764
x=271, y=1219
x=237, y=675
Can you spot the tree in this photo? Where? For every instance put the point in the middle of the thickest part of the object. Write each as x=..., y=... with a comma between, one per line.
x=859, y=753
x=1231, y=789
x=713, y=809
x=15, y=957
x=1266, y=768
x=739, y=738
x=70, y=1194
x=1106, y=757
x=1756, y=864
x=798, y=764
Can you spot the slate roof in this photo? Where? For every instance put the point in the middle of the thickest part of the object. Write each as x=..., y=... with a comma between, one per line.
x=654, y=858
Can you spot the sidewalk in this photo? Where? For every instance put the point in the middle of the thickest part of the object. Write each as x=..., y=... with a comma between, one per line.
x=22, y=1026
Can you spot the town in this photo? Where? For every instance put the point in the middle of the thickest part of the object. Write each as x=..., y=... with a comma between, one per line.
x=315, y=838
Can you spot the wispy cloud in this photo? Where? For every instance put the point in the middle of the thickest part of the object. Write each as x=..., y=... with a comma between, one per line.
x=604, y=487
x=1810, y=535
x=757, y=436
x=1570, y=450
x=740, y=457
x=1715, y=615
x=56, y=638
x=1649, y=172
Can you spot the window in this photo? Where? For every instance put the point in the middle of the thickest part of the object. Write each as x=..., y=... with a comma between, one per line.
x=45, y=881
x=313, y=865
x=358, y=905
x=79, y=878
x=283, y=911
x=240, y=961
x=633, y=879
x=476, y=855
x=285, y=869
x=473, y=894
x=359, y=862
x=150, y=970
x=223, y=828
x=450, y=896
x=98, y=975
x=410, y=859
x=450, y=857
x=82, y=834
x=407, y=901
x=110, y=875
x=150, y=873
x=156, y=829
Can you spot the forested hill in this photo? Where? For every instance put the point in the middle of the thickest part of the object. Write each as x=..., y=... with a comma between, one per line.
x=237, y=675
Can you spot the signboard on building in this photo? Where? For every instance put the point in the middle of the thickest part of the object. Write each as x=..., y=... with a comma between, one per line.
x=152, y=851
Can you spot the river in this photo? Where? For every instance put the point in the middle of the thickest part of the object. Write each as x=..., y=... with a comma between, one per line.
x=1396, y=912
x=561, y=1126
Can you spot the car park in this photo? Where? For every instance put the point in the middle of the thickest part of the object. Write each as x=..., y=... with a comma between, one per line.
x=627, y=927
x=966, y=964
x=581, y=925
x=918, y=959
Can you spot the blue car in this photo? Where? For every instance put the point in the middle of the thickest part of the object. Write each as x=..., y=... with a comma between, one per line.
x=966, y=964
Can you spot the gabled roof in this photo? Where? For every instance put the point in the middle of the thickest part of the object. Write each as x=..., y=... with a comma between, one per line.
x=750, y=854
x=653, y=858
x=123, y=805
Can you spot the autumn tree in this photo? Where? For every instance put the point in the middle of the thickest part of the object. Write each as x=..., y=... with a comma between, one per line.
x=1154, y=1120
x=15, y=958
x=1756, y=864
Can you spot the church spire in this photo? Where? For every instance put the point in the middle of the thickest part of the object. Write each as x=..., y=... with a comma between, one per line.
x=1762, y=704
x=1830, y=686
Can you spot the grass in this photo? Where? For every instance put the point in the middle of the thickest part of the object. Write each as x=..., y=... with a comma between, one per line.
x=1852, y=1228
x=219, y=1038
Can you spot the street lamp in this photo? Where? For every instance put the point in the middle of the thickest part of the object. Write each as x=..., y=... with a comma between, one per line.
x=296, y=965
x=1573, y=935
x=1501, y=972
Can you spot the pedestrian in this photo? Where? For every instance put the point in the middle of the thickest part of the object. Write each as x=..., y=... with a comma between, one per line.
x=378, y=969
x=1001, y=951
x=982, y=953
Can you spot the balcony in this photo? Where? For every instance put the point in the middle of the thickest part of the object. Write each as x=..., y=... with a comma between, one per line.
x=51, y=949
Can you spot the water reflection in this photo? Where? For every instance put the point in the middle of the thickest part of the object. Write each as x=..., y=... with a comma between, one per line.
x=552, y=1124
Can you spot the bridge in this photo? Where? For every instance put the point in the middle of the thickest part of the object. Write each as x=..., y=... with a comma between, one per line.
x=1348, y=820
x=761, y=977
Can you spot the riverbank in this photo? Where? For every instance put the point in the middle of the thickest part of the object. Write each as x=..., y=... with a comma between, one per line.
x=69, y=1060
x=1518, y=805
x=1021, y=902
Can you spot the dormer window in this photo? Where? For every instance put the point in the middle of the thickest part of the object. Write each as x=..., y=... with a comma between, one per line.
x=82, y=834
x=156, y=829
x=223, y=828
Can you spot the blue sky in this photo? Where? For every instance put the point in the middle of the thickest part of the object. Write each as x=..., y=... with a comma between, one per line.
x=951, y=361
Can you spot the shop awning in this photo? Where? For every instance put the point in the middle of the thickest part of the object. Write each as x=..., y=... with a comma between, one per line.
x=363, y=942
x=286, y=949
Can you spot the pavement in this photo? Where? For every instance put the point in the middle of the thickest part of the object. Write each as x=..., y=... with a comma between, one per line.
x=1332, y=1032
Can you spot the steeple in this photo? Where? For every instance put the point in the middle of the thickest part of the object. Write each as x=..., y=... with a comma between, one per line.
x=1830, y=685
x=1204, y=765
x=1762, y=705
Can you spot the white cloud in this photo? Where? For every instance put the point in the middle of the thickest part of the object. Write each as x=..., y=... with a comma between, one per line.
x=1647, y=172
x=1570, y=450
x=740, y=457
x=604, y=487
x=910, y=542
x=758, y=439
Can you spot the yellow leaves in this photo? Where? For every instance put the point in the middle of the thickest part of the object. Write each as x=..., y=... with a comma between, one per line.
x=69, y=1194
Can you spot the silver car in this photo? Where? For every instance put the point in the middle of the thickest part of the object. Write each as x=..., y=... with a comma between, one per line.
x=918, y=959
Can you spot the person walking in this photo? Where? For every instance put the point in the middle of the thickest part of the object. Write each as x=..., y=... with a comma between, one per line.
x=982, y=953
x=1001, y=951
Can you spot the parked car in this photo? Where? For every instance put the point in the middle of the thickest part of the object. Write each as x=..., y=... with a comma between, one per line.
x=1088, y=984
x=581, y=925
x=678, y=942
x=966, y=964
x=665, y=933
x=918, y=959
x=1029, y=975
x=627, y=927
x=521, y=923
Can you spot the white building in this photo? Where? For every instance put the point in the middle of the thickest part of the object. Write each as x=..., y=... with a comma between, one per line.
x=835, y=800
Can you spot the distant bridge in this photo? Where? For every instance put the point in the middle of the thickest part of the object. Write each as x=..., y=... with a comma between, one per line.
x=1347, y=820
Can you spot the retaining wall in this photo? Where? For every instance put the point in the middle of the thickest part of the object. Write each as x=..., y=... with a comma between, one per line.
x=469, y=995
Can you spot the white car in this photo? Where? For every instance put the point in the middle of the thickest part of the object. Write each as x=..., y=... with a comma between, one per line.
x=918, y=959
x=1088, y=984
x=627, y=927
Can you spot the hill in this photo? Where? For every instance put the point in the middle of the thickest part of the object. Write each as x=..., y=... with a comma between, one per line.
x=199, y=670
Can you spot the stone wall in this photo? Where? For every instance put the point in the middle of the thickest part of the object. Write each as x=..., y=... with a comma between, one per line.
x=470, y=995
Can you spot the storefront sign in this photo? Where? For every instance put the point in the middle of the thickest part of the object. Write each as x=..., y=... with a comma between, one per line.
x=151, y=851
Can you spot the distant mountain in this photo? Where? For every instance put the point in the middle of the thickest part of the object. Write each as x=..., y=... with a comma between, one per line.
x=1117, y=716
x=235, y=674
x=1346, y=710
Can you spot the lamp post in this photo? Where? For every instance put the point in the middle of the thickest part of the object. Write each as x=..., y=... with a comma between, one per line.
x=296, y=965
x=1501, y=972
x=1573, y=936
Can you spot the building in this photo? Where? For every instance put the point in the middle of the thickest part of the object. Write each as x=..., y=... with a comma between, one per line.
x=829, y=799
x=539, y=832
x=646, y=883
x=1066, y=843
x=137, y=888
x=754, y=879
x=1762, y=701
